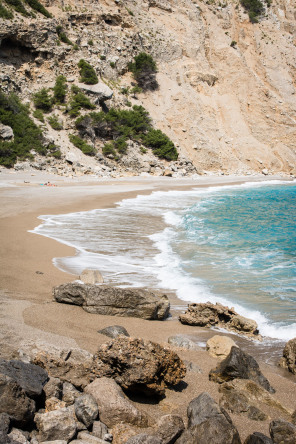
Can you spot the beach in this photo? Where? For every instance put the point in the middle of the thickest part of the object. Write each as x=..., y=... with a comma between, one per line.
x=27, y=275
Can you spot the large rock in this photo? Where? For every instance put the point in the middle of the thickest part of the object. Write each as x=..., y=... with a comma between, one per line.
x=15, y=402
x=258, y=438
x=86, y=409
x=6, y=132
x=239, y=364
x=220, y=346
x=113, y=331
x=91, y=277
x=139, y=366
x=31, y=378
x=181, y=341
x=282, y=432
x=114, y=407
x=53, y=388
x=113, y=301
x=169, y=428
x=70, y=393
x=101, y=91
x=207, y=315
x=289, y=356
x=207, y=423
x=56, y=425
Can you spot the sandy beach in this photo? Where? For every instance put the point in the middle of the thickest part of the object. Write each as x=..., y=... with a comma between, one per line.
x=27, y=275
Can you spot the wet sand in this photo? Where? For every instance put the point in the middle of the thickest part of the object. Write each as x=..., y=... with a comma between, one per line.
x=27, y=275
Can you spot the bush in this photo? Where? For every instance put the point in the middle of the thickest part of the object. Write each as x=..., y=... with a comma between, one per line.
x=78, y=101
x=90, y=43
x=144, y=71
x=75, y=47
x=42, y=100
x=55, y=123
x=18, y=6
x=62, y=35
x=82, y=145
x=38, y=7
x=254, y=9
x=87, y=73
x=60, y=89
x=27, y=135
x=5, y=13
x=38, y=114
x=54, y=151
x=161, y=145
x=108, y=150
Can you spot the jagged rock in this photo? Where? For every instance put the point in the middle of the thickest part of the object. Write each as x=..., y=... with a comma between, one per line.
x=74, y=365
x=99, y=429
x=114, y=407
x=91, y=277
x=101, y=91
x=6, y=132
x=207, y=315
x=18, y=436
x=114, y=331
x=70, y=393
x=89, y=438
x=239, y=364
x=29, y=377
x=258, y=438
x=207, y=423
x=220, y=346
x=86, y=409
x=53, y=388
x=54, y=404
x=15, y=402
x=289, y=356
x=139, y=366
x=182, y=342
x=169, y=428
x=143, y=438
x=113, y=301
x=282, y=432
x=58, y=424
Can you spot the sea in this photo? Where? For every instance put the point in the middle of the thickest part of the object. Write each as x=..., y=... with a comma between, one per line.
x=233, y=244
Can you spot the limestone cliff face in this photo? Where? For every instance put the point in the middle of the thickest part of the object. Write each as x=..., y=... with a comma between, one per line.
x=226, y=92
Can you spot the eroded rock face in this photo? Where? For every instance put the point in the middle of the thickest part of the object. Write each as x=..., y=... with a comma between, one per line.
x=113, y=301
x=139, y=366
x=239, y=364
x=114, y=407
x=207, y=315
x=282, y=432
x=289, y=356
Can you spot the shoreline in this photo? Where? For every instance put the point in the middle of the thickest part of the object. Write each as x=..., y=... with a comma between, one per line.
x=29, y=317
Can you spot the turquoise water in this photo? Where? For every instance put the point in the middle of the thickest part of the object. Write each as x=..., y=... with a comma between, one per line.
x=234, y=245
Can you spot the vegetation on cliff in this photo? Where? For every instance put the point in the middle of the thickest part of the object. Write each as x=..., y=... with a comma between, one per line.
x=144, y=71
x=87, y=73
x=254, y=8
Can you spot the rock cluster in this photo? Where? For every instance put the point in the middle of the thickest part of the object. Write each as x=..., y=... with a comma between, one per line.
x=208, y=315
x=113, y=301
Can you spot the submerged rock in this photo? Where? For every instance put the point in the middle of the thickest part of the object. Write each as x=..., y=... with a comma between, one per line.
x=289, y=356
x=207, y=315
x=113, y=301
x=91, y=277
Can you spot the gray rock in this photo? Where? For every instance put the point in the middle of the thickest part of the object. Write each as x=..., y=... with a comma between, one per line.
x=258, y=438
x=239, y=364
x=53, y=388
x=192, y=367
x=101, y=91
x=99, y=429
x=91, y=277
x=282, y=432
x=113, y=301
x=59, y=441
x=15, y=402
x=114, y=407
x=70, y=393
x=89, y=438
x=113, y=331
x=18, y=436
x=86, y=409
x=31, y=378
x=169, y=428
x=6, y=132
x=4, y=423
x=143, y=438
x=56, y=425
x=182, y=342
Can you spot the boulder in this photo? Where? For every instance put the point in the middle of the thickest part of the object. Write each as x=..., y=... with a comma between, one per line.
x=282, y=432
x=207, y=423
x=208, y=315
x=220, y=346
x=86, y=409
x=53, y=388
x=100, y=91
x=113, y=301
x=99, y=429
x=88, y=438
x=4, y=423
x=258, y=438
x=18, y=436
x=289, y=356
x=239, y=364
x=31, y=378
x=143, y=438
x=114, y=331
x=114, y=407
x=182, y=342
x=70, y=393
x=139, y=366
x=6, y=133
x=91, y=277
x=15, y=402
x=56, y=425
x=169, y=428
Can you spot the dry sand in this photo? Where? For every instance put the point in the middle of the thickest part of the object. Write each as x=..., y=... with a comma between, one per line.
x=29, y=315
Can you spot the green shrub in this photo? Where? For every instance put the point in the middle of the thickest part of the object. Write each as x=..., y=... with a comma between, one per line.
x=5, y=13
x=62, y=35
x=60, y=89
x=87, y=73
x=90, y=43
x=38, y=7
x=144, y=71
x=161, y=145
x=82, y=145
x=38, y=114
x=42, y=100
x=54, y=151
x=102, y=57
x=75, y=47
x=108, y=149
x=233, y=44
x=55, y=123
x=18, y=6
x=78, y=101
x=254, y=9
x=112, y=64
x=136, y=90
x=27, y=135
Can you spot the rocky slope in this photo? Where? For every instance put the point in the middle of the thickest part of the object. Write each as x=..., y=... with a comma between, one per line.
x=226, y=94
